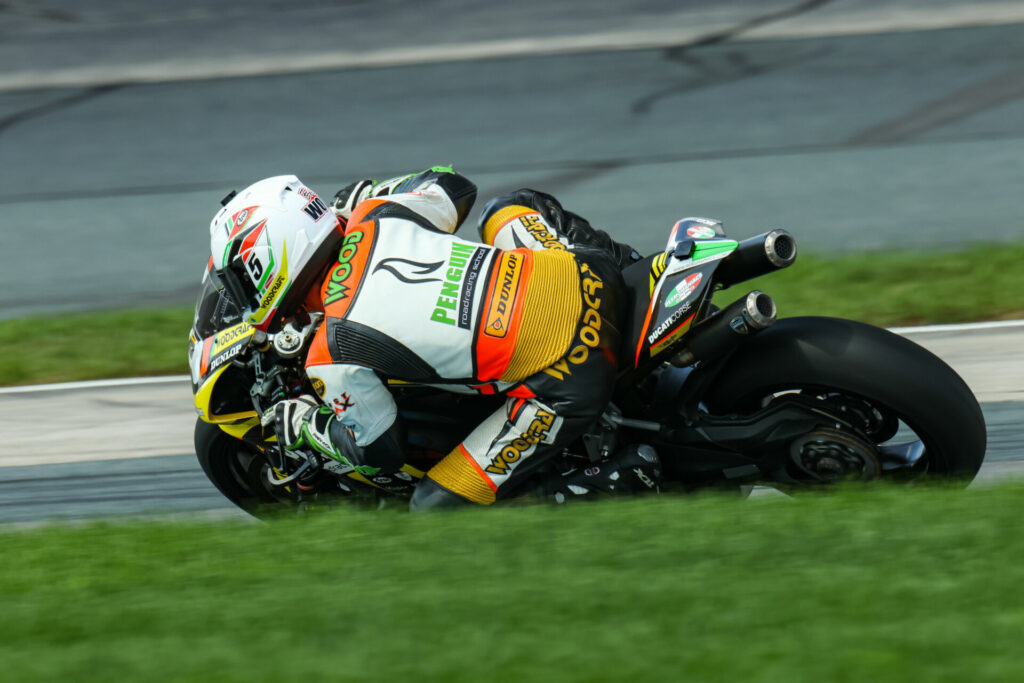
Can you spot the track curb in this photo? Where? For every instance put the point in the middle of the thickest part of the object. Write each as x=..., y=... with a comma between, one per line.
x=172, y=379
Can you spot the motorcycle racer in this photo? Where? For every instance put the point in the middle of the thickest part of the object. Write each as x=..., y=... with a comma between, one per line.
x=534, y=313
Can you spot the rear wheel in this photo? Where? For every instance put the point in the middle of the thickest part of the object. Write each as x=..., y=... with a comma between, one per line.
x=910, y=413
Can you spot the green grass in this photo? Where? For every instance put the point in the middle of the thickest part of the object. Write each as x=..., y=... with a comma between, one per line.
x=875, y=585
x=900, y=288
x=981, y=283
x=67, y=347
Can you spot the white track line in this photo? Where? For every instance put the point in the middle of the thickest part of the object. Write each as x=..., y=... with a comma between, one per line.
x=95, y=384
x=852, y=22
x=171, y=379
x=962, y=327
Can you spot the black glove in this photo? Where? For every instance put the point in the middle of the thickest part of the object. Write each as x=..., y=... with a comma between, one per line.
x=304, y=423
x=350, y=195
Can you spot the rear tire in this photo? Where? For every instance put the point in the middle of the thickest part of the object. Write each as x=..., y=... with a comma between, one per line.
x=858, y=360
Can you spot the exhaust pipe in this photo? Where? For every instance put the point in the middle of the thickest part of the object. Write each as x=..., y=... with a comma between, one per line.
x=757, y=256
x=723, y=332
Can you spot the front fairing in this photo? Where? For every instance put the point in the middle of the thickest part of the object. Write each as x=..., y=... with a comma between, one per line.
x=219, y=387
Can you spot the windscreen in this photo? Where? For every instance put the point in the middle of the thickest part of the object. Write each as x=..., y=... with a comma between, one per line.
x=215, y=309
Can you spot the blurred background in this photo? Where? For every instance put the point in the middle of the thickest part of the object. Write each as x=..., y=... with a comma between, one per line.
x=856, y=124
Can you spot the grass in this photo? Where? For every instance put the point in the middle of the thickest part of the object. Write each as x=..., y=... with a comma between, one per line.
x=880, y=584
x=900, y=288
x=100, y=344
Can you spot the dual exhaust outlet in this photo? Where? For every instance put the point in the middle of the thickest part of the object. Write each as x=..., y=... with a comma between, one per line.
x=725, y=330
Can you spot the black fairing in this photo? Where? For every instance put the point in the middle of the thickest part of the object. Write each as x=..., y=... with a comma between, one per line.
x=638, y=298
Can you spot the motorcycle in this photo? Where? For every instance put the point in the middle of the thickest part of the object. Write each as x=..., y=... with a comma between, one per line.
x=729, y=398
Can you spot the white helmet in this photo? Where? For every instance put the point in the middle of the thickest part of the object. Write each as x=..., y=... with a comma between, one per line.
x=270, y=243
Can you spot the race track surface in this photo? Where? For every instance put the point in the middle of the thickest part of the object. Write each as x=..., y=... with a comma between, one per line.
x=855, y=124
x=852, y=141
x=127, y=450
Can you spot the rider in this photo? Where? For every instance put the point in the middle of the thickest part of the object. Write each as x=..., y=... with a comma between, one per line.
x=533, y=314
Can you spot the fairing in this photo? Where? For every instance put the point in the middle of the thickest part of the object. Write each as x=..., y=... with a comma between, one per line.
x=681, y=283
x=220, y=389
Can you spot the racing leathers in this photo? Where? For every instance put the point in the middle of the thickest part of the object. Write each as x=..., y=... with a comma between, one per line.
x=528, y=314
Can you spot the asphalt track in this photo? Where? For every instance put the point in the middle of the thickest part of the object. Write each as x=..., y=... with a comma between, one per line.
x=124, y=449
x=763, y=114
x=856, y=124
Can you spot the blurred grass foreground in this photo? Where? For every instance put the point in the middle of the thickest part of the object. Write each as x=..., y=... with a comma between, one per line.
x=890, y=288
x=880, y=584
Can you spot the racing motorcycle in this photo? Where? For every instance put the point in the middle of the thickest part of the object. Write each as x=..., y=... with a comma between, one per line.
x=729, y=398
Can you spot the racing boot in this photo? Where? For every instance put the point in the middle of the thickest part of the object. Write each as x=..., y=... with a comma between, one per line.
x=633, y=470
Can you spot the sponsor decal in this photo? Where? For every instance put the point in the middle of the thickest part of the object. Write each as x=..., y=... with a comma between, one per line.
x=476, y=263
x=511, y=454
x=589, y=335
x=231, y=335
x=279, y=285
x=665, y=326
x=448, y=299
x=694, y=228
x=701, y=232
x=392, y=482
x=273, y=290
x=407, y=270
x=683, y=289
x=642, y=476
x=318, y=386
x=337, y=467
x=225, y=356
x=336, y=287
x=499, y=314
x=321, y=442
x=342, y=403
x=535, y=226
x=315, y=207
x=239, y=220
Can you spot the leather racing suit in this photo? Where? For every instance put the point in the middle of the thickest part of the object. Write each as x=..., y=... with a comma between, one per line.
x=528, y=314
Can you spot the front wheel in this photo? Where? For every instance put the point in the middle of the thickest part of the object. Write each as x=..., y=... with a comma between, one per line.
x=232, y=466
x=908, y=407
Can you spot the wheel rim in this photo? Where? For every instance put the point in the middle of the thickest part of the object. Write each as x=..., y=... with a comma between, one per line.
x=877, y=438
x=831, y=456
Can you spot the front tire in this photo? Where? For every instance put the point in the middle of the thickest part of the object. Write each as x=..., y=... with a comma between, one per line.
x=231, y=466
x=896, y=376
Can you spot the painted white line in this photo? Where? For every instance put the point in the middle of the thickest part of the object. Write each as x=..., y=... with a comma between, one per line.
x=188, y=68
x=171, y=379
x=961, y=327
x=95, y=384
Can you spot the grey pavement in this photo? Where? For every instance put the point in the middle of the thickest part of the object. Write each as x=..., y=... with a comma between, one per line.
x=856, y=124
x=127, y=450
x=853, y=142
x=63, y=43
